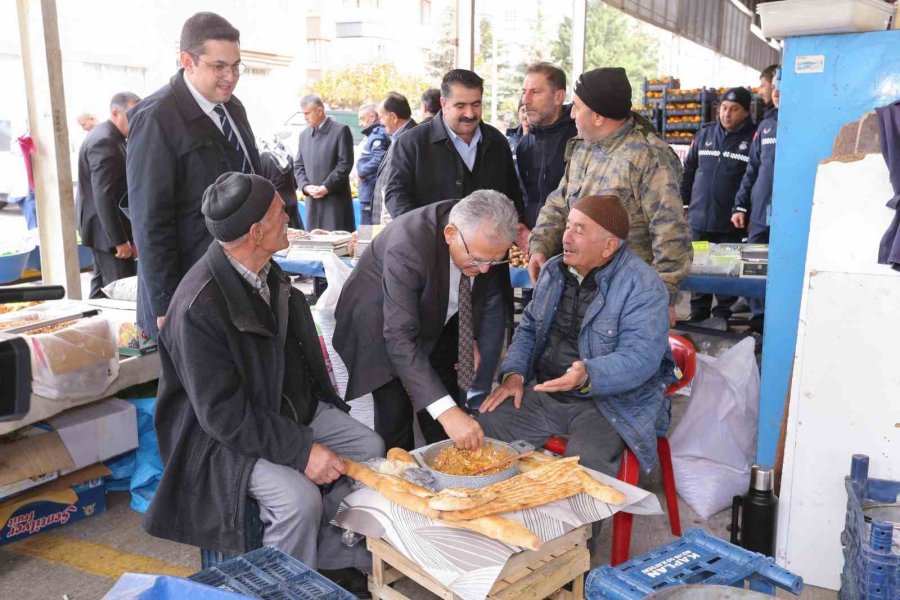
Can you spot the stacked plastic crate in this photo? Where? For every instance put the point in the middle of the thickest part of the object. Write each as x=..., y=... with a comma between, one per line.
x=871, y=557
x=654, y=90
x=685, y=111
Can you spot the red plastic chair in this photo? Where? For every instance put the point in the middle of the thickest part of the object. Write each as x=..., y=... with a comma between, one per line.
x=686, y=359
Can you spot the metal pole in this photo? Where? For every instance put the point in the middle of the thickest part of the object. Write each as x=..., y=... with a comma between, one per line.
x=42, y=62
x=579, y=19
x=465, y=34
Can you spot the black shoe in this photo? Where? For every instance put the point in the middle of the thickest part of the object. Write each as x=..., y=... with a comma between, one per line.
x=353, y=580
x=697, y=316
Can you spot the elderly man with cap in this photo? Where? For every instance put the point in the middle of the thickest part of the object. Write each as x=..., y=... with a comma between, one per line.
x=245, y=408
x=595, y=341
x=615, y=153
x=713, y=171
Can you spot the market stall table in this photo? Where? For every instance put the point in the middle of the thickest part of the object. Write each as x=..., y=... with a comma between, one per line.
x=749, y=287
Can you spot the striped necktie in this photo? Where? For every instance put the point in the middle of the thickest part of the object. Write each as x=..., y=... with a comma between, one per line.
x=231, y=137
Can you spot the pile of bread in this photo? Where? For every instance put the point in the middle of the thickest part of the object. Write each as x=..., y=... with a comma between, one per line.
x=543, y=480
x=518, y=257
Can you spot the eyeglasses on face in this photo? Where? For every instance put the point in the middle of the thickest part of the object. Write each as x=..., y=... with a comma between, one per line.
x=221, y=69
x=478, y=262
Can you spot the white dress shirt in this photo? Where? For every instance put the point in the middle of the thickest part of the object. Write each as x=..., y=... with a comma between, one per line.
x=467, y=152
x=208, y=107
x=441, y=405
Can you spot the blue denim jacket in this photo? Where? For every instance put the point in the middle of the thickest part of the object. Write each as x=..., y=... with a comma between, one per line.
x=624, y=343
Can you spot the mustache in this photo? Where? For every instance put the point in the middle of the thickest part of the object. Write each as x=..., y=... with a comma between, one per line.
x=468, y=120
x=570, y=248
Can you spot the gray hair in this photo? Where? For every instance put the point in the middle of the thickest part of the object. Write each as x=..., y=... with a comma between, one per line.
x=311, y=99
x=367, y=109
x=123, y=100
x=489, y=211
x=235, y=243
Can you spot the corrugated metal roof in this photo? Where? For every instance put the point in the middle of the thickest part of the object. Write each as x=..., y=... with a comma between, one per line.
x=723, y=25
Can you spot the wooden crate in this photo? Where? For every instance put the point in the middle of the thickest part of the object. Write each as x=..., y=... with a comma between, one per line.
x=528, y=575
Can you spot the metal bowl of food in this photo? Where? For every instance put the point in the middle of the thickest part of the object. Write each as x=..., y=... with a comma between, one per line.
x=444, y=455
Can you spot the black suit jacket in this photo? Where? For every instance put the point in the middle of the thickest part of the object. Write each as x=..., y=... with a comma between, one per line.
x=392, y=308
x=425, y=167
x=175, y=152
x=101, y=185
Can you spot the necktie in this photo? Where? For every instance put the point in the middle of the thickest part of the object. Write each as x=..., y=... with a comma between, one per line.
x=465, y=370
x=231, y=137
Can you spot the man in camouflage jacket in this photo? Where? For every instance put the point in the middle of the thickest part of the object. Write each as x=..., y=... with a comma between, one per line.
x=617, y=152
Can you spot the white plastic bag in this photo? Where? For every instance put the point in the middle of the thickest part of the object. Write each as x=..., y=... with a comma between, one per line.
x=714, y=444
x=336, y=273
x=75, y=363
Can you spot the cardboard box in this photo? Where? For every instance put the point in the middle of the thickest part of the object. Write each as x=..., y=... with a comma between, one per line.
x=70, y=498
x=69, y=441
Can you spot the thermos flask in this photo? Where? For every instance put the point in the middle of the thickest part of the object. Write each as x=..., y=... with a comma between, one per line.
x=758, y=510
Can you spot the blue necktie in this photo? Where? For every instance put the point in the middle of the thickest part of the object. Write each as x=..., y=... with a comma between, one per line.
x=231, y=137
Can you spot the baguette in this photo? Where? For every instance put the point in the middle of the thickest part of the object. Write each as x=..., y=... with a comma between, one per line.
x=402, y=492
x=401, y=455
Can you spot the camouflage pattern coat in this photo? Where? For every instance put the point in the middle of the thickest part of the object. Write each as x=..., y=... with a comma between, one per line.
x=636, y=165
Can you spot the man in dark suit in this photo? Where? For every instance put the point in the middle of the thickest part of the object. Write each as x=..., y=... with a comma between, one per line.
x=101, y=185
x=413, y=308
x=450, y=157
x=322, y=169
x=182, y=137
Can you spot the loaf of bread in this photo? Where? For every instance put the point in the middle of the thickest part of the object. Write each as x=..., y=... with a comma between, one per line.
x=415, y=498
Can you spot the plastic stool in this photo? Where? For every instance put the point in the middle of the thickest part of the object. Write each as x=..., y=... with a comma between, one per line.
x=253, y=537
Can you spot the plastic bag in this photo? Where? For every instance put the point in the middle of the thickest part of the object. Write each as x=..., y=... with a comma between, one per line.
x=122, y=289
x=336, y=273
x=404, y=470
x=74, y=363
x=714, y=444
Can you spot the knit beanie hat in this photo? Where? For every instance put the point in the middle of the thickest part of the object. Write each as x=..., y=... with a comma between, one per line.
x=235, y=202
x=606, y=211
x=606, y=91
x=740, y=95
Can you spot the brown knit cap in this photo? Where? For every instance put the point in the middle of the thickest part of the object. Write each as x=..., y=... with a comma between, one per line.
x=606, y=211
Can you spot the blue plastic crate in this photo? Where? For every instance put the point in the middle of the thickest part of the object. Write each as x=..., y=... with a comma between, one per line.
x=695, y=558
x=871, y=567
x=271, y=574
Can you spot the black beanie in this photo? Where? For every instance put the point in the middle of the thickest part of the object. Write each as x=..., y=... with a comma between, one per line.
x=740, y=95
x=606, y=91
x=235, y=202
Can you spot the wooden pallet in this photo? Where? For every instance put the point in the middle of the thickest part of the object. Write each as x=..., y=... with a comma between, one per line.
x=528, y=575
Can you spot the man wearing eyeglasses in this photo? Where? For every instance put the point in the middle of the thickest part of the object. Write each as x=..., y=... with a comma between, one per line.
x=182, y=137
x=409, y=315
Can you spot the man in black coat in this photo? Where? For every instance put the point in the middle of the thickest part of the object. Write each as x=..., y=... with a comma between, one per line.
x=101, y=186
x=408, y=315
x=453, y=155
x=182, y=137
x=245, y=405
x=322, y=169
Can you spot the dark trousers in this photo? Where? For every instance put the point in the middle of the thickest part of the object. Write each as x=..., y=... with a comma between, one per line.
x=393, y=406
x=108, y=268
x=701, y=303
x=759, y=234
x=365, y=213
x=294, y=220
